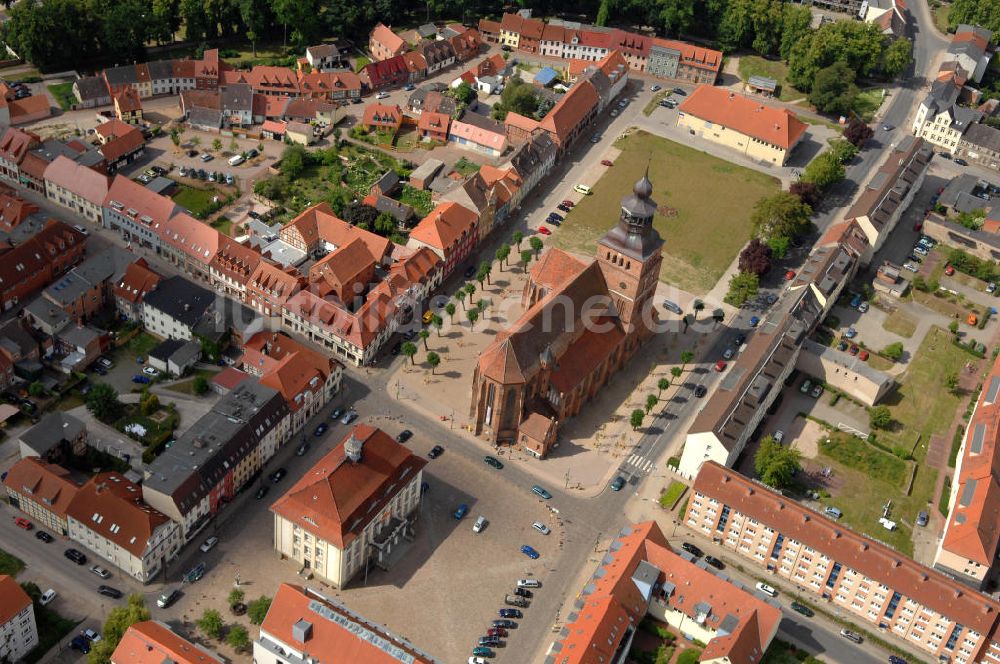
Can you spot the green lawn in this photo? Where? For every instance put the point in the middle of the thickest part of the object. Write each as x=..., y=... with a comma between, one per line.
x=705, y=205
x=856, y=453
x=754, y=65
x=142, y=343
x=867, y=102
x=10, y=564
x=224, y=225
x=672, y=494
x=465, y=168
x=63, y=92
x=418, y=199
x=187, y=386
x=780, y=652
x=198, y=201
x=941, y=17
x=898, y=322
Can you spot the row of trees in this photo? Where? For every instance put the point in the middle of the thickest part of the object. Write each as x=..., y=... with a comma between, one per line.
x=985, y=13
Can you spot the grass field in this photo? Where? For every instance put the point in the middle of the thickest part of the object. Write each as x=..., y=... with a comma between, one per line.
x=198, y=201
x=63, y=92
x=754, y=65
x=867, y=102
x=705, y=205
x=10, y=564
x=941, y=17
x=899, y=323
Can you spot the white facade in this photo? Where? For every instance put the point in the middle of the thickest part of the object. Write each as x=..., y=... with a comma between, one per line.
x=162, y=325
x=18, y=635
x=78, y=204
x=161, y=547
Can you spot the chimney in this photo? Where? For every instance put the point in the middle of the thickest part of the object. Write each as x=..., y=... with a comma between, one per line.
x=352, y=448
x=302, y=630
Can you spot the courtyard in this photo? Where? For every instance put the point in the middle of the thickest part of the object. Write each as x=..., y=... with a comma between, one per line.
x=701, y=197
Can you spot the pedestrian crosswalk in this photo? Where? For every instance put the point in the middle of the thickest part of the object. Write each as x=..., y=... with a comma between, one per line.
x=640, y=463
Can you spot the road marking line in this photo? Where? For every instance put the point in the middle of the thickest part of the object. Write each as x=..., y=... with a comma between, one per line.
x=649, y=464
x=632, y=459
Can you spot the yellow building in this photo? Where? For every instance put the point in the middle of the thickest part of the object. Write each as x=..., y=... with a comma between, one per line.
x=760, y=132
x=356, y=504
x=510, y=30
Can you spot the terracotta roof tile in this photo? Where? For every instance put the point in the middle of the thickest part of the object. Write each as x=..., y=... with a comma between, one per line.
x=13, y=599
x=776, y=126
x=138, y=280
x=152, y=642
x=81, y=180
x=47, y=484
x=388, y=38
x=121, y=515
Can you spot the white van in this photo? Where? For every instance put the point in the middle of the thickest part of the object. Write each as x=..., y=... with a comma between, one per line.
x=236, y=160
x=582, y=189
x=529, y=583
x=767, y=590
x=478, y=526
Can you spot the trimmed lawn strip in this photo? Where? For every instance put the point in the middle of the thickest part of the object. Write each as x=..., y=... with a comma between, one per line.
x=853, y=452
x=10, y=564
x=879, y=363
x=899, y=323
x=672, y=494
x=945, y=498
x=702, y=230
x=187, y=386
x=198, y=201
x=754, y=65
x=63, y=93
x=867, y=102
x=941, y=17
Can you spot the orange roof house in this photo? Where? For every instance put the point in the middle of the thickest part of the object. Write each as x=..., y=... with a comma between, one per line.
x=153, y=642
x=305, y=378
x=382, y=116
x=433, y=126
x=41, y=489
x=640, y=575
x=443, y=229
x=318, y=225
x=384, y=43
x=304, y=620
x=776, y=128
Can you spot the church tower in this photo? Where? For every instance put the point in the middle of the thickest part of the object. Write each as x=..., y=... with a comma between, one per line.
x=629, y=256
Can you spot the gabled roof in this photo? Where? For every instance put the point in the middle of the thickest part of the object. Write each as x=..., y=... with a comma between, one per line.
x=199, y=241
x=433, y=122
x=495, y=139
x=45, y=483
x=85, y=182
x=444, y=226
x=112, y=507
x=770, y=124
x=123, y=145
x=139, y=203
x=138, y=280
x=383, y=115
x=153, y=642
x=32, y=255
x=13, y=599
x=570, y=111
x=318, y=224
x=337, y=498
x=388, y=39
x=127, y=100
x=15, y=143
x=91, y=87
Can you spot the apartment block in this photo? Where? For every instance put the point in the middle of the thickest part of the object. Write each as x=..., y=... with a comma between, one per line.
x=854, y=574
x=18, y=630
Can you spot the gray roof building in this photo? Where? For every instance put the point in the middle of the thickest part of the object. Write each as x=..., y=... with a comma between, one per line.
x=180, y=299
x=92, y=88
x=236, y=97
x=427, y=31
x=965, y=194
x=121, y=76
x=983, y=136
x=161, y=70
x=205, y=118
x=53, y=430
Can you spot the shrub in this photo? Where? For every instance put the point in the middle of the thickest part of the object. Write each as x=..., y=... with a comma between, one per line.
x=901, y=452
x=893, y=351
x=880, y=417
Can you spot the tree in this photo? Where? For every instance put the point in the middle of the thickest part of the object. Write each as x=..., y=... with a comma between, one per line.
x=175, y=137
x=856, y=44
x=755, y=257
x=234, y=145
x=464, y=93
x=470, y=290
x=210, y=623
x=195, y=141
x=635, y=419
x=293, y=162
x=103, y=403
x=518, y=97
x=359, y=214
x=778, y=246
x=434, y=360
x=473, y=316
x=257, y=609
x=662, y=384
x=516, y=238
x=857, y=131
x=36, y=389
x=424, y=334
x=536, y=244
x=460, y=296
x=236, y=596
x=718, y=315
x=450, y=310
x=502, y=253
x=651, y=401
x=824, y=170
x=843, y=151
x=953, y=327
x=437, y=322
x=526, y=258
x=776, y=464
x=951, y=382
x=116, y=624
x=807, y=192
x=833, y=89
x=698, y=307
x=743, y=286
x=893, y=351
x=238, y=638
x=409, y=349
x=780, y=215
x=676, y=372
x=796, y=27
x=897, y=57
x=200, y=385
x=879, y=417
x=385, y=223
x=686, y=357
x=217, y=144
x=483, y=273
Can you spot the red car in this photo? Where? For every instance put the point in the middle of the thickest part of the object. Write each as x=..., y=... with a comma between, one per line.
x=568, y=203
x=949, y=270
x=497, y=631
x=605, y=162
x=21, y=522
x=544, y=231
x=863, y=356
x=789, y=275
x=917, y=226
x=720, y=365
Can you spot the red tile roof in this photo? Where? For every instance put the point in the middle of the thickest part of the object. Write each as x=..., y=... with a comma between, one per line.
x=199, y=241
x=122, y=144
x=128, y=100
x=494, y=140
x=434, y=123
x=348, y=638
x=138, y=280
x=273, y=126
x=692, y=55
x=234, y=260
x=388, y=39
x=83, y=181
x=487, y=26
x=35, y=105
x=511, y=22
x=772, y=125
x=112, y=507
x=444, y=226
x=319, y=224
x=570, y=111
x=229, y=378
x=287, y=366
x=868, y=557
x=336, y=499
x=153, y=642
x=273, y=282
x=13, y=599
x=15, y=143
x=382, y=115
x=47, y=484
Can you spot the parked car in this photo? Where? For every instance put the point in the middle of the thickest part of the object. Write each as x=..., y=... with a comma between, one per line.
x=540, y=492
x=209, y=544
x=564, y=208
x=720, y=366
x=728, y=353
x=278, y=475
x=408, y=87
x=766, y=589
x=802, y=609
x=207, y=157
x=168, y=597
x=692, y=549
x=47, y=597
x=714, y=562
x=863, y=307
x=896, y=659
x=961, y=162
x=817, y=391
x=320, y=429
x=910, y=266
x=75, y=556
x=21, y=522
x=568, y=203
x=139, y=378
x=607, y=162
x=382, y=95
x=337, y=412
x=480, y=524
x=529, y=583
x=855, y=301
x=302, y=449
x=44, y=536
x=150, y=371
x=949, y=270
x=100, y=571
x=541, y=527
x=618, y=483
x=922, y=519
x=833, y=512
x=91, y=635
x=435, y=452
x=261, y=492
x=851, y=333
x=108, y=591
x=530, y=552
x=700, y=391
x=482, y=651
x=505, y=624
x=851, y=636
x=493, y=461
x=679, y=91
x=582, y=189
x=498, y=632
x=80, y=643
x=778, y=436
x=654, y=88
x=863, y=356
x=510, y=613
x=754, y=321
x=404, y=436
x=349, y=416
x=544, y=231
x=854, y=350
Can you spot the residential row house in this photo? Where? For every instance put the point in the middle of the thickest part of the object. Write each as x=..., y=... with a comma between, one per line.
x=663, y=58
x=850, y=573
x=193, y=479
x=38, y=261
x=18, y=628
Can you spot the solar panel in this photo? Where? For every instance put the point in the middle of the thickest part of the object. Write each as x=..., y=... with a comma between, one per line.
x=993, y=389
